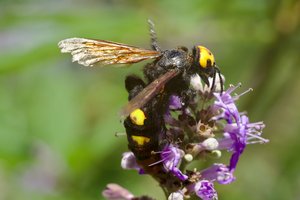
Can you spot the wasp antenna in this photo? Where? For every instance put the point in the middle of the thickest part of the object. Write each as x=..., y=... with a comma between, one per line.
x=154, y=44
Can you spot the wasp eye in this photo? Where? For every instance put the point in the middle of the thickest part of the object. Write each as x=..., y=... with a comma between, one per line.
x=194, y=51
x=137, y=117
x=208, y=62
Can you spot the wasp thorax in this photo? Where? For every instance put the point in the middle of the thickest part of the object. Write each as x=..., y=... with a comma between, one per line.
x=175, y=58
x=204, y=57
x=137, y=117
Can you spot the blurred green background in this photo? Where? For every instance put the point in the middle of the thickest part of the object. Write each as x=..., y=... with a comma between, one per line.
x=58, y=119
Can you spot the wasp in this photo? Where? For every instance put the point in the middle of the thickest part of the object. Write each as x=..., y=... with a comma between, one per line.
x=170, y=71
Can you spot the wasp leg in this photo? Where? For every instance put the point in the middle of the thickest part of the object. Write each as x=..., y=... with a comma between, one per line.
x=154, y=44
x=205, y=79
x=214, y=81
x=215, y=72
x=221, y=79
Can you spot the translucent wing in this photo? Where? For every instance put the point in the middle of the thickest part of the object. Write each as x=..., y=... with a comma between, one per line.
x=88, y=52
x=148, y=93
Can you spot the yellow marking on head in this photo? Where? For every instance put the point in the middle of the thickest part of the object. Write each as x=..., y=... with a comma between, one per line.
x=205, y=56
x=140, y=140
x=137, y=117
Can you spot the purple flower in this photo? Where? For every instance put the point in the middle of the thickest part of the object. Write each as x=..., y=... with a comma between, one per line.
x=219, y=173
x=175, y=102
x=129, y=162
x=238, y=132
x=115, y=192
x=205, y=190
x=171, y=157
x=246, y=133
x=226, y=103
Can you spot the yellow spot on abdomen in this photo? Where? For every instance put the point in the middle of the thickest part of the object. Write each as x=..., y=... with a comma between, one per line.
x=137, y=117
x=140, y=140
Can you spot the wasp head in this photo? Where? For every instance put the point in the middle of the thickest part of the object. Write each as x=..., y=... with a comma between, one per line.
x=206, y=66
x=203, y=57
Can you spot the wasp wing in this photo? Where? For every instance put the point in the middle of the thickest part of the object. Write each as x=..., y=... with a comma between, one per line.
x=148, y=93
x=88, y=52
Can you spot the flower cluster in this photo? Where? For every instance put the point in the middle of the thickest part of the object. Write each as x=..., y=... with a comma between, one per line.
x=200, y=129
